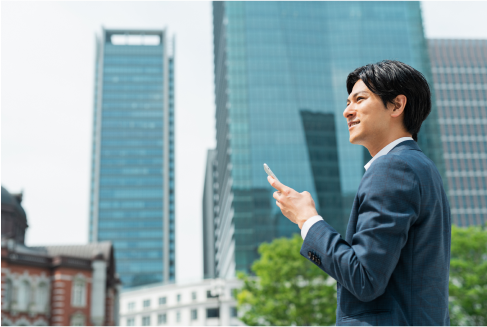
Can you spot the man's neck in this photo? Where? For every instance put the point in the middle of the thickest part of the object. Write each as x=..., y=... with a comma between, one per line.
x=375, y=147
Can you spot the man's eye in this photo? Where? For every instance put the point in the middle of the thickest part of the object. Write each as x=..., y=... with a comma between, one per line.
x=360, y=98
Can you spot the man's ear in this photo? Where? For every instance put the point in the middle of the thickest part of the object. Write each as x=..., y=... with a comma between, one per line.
x=398, y=105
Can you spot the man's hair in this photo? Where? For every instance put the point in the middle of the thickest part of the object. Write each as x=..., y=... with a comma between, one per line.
x=390, y=78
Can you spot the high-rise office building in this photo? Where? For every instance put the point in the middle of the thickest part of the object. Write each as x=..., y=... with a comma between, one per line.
x=132, y=182
x=210, y=203
x=280, y=71
x=460, y=82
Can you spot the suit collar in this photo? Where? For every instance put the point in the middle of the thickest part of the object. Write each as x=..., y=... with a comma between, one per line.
x=388, y=148
x=406, y=145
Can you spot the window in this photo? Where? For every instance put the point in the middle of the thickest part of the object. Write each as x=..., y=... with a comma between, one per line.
x=162, y=319
x=42, y=297
x=162, y=300
x=131, y=306
x=233, y=312
x=193, y=296
x=178, y=316
x=194, y=314
x=209, y=296
x=78, y=319
x=233, y=293
x=146, y=321
x=24, y=296
x=8, y=292
x=178, y=298
x=213, y=313
x=130, y=321
x=78, y=293
x=146, y=304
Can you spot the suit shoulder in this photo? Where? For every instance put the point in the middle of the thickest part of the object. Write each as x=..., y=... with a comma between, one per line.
x=414, y=162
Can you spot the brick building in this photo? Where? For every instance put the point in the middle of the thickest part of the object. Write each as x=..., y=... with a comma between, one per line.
x=54, y=285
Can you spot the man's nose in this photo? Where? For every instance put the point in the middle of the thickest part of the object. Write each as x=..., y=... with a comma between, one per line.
x=348, y=112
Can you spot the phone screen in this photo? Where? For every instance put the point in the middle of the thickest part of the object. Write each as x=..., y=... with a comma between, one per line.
x=269, y=172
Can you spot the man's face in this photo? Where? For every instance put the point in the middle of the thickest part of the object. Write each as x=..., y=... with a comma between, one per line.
x=367, y=118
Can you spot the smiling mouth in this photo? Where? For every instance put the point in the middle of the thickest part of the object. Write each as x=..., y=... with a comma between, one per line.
x=353, y=123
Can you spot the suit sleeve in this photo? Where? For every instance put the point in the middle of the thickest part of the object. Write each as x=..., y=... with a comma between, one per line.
x=389, y=204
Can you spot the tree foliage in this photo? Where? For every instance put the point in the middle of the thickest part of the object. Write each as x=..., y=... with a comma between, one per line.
x=468, y=276
x=287, y=289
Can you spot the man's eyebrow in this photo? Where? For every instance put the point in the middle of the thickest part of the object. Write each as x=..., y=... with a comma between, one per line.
x=355, y=94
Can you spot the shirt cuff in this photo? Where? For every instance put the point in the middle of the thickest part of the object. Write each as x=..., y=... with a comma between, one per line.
x=307, y=225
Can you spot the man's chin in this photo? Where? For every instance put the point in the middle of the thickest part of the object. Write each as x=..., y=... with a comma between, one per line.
x=354, y=139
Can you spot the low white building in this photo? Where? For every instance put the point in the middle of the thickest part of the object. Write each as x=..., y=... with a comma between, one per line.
x=209, y=302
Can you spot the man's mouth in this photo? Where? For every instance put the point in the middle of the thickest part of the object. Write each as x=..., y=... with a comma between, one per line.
x=353, y=123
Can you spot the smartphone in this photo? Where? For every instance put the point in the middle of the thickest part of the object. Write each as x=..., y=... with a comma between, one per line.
x=269, y=172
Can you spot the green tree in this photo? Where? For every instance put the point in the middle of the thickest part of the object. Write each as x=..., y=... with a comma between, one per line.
x=468, y=276
x=287, y=289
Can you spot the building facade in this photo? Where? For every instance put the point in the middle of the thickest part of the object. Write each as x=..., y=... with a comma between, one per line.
x=209, y=302
x=460, y=82
x=210, y=203
x=132, y=183
x=54, y=285
x=280, y=71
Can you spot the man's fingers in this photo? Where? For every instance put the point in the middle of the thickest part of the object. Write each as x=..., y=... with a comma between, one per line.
x=277, y=185
x=276, y=195
x=279, y=204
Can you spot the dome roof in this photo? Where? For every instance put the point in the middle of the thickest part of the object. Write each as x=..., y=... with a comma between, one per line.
x=13, y=202
x=7, y=198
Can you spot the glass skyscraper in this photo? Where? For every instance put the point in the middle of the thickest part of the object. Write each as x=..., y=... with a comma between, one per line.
x=132, y=181
x=210, y=203
x=280, y=71
x=460, y=82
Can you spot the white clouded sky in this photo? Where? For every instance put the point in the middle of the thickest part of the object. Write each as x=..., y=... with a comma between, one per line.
x=47, y=66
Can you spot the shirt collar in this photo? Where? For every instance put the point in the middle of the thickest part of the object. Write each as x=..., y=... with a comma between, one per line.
x=386, y=149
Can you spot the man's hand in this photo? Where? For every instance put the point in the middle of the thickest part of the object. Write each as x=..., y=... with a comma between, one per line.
x=297, y=207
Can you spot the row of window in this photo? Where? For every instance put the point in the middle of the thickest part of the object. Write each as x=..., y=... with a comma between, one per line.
x=131, y=181
x=459, y=70
x=460, y=86
x=462, y=147
x=131, y=193
x=125, y=214
x=473, y=103
x=162, y=318
x=139, y=50
x=139, y=234
x=131, y=60
x=130, y=204
x=132, y=162
x=123, y=95
x=462, y=121
x=463, y=133
x=26, y=295
x=147, y=254
x=123, y=134
x=137, y=244
x=132, y=104
x=117, y=83
x=134, y=114
x=29, y=295
x=469, y=219
x=124, y=124
x=468, y=202
x=117, y=78
x=123, y=152
x=162, y=301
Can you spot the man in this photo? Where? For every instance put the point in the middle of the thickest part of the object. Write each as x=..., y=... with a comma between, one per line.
x=392, y=268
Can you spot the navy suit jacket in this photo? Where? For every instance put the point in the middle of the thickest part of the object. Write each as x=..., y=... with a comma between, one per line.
x=393, y=266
